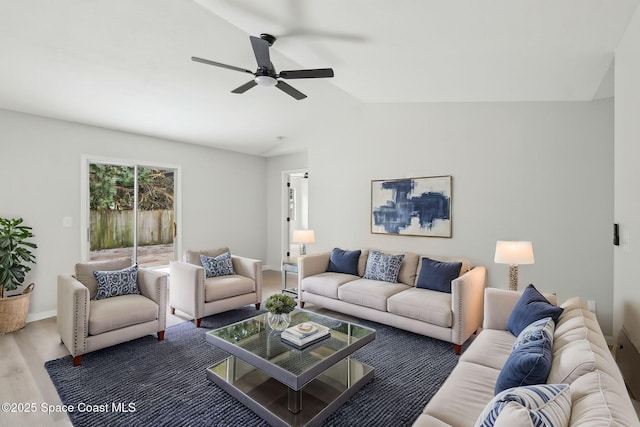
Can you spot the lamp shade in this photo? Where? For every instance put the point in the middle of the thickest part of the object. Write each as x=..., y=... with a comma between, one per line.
x=303, y=236
x=514, y=253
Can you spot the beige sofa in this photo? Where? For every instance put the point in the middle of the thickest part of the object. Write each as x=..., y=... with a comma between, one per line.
x=580, y=358
x=450, y=317
x=194, y=294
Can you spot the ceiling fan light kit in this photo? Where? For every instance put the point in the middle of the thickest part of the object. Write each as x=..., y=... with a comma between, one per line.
x=266, y=81
x=266, y=74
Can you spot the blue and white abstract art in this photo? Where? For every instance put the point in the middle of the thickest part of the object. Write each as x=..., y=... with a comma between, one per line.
x=412, y=206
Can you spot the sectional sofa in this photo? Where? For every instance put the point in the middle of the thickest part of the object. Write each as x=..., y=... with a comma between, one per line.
x=451, y=316
x=588, y=387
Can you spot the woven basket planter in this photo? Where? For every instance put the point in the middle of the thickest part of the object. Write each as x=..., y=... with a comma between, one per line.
x=14, y=310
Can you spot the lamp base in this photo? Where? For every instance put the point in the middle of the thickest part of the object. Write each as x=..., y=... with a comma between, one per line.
x=303, y=249
x=513, y=277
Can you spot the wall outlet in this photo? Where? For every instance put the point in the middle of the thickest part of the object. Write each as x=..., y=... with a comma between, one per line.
x=67, y=221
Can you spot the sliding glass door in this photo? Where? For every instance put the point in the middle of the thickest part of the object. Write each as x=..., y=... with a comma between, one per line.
x=131, y=212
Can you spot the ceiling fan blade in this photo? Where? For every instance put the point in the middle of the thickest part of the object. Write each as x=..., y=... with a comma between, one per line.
x=307, y=74
x=218, y=64
x=290, y=90
x=245, y=87
x=261, y=51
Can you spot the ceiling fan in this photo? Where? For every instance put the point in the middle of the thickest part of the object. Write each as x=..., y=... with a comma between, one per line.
x=266, y=74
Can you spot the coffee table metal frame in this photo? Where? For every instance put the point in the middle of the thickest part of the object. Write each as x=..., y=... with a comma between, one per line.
x=258, y=375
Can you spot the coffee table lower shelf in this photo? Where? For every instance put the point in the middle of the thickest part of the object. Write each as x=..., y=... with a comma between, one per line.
x=270, y=399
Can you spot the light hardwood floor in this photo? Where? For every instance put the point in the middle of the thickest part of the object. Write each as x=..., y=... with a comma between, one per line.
x=24, y=380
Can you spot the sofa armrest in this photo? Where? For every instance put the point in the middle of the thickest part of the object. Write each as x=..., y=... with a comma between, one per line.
x=251, y=268
x=153, y=285
x=467, y=296
x=186, y=288
x=73, y=313
x=498, y=305
x=310, y=265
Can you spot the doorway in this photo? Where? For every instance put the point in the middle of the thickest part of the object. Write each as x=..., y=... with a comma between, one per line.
x=297, y=209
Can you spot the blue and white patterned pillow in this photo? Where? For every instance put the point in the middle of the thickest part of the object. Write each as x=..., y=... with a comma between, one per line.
x=218, y=266
x=537, y=330
x=117, y=282
x=545, y=405
x=383, y=267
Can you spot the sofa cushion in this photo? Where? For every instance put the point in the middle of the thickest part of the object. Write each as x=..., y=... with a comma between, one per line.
x=118, y=312
x=527, y=364
x=117, y=282
x=326, y=284
x=369, y=293
x=84, y=271
x=578, y=324
x=464, y=394
x=409, y=269
x=383, y=267
x=342, y=261
x=537, y=330
x=597, y=399
x=577, y=358
x=422, y=304
x=531, y=306
x=193, y=257
x=221, y=287
x=437, y=275
x=220, y=265
x=490, y=348
x=535, y=405
x=362, y=262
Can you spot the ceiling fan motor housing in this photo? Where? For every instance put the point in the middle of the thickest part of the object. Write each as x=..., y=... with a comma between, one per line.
x=268, y=38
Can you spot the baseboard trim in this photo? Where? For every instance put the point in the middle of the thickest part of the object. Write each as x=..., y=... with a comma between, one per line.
x=32, y=317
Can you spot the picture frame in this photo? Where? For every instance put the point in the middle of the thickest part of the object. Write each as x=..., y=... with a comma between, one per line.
x=412, y=206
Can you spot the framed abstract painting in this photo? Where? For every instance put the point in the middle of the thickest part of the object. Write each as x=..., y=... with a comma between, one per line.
x=412, y=206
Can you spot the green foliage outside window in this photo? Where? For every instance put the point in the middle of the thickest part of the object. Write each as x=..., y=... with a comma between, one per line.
x=111, y=187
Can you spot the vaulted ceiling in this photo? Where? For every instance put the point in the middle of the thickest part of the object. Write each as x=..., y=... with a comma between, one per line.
x=126, y=65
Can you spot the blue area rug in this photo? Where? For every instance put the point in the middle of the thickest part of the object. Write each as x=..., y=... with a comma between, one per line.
x=150, y=383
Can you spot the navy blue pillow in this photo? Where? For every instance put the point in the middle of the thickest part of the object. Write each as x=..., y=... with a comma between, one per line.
x=531, y=306
x=342, y=261
x=437, y=276
x=528, y=364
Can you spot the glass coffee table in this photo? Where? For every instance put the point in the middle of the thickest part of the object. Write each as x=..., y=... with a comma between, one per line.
x=286, y=386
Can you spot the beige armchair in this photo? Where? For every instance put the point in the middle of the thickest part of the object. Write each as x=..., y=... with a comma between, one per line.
x=86, y=324
x=194, y=294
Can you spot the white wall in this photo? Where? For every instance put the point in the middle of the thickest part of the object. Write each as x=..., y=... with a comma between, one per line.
x=223, y=193
x=521, y=171
x=275, y=203
x=627, y=177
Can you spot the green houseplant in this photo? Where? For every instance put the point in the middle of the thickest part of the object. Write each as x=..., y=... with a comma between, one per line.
x=279, y=306
x=15, y=257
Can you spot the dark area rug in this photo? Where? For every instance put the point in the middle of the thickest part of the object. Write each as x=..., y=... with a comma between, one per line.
x=164, y=383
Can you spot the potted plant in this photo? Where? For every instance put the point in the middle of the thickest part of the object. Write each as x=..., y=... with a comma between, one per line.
x=15, y=255
x=279, y=306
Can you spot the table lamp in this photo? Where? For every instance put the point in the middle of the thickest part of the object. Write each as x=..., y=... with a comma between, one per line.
x=513, y=253
x=302, y=237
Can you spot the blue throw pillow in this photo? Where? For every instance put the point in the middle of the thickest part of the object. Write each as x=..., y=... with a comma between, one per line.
x=217, y=266
x=437, y=276
x=528, y=364
x=545, y=404
x=539, y=329
x=383, y=267
x=117, y=282
x=531, y=306
x=342, y=261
